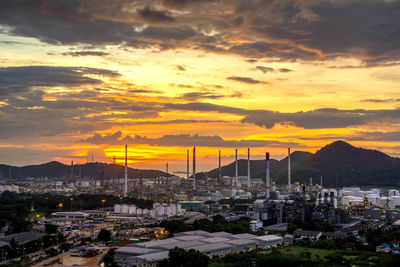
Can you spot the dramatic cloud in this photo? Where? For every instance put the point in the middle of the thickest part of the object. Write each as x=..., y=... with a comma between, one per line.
x=264, y=69
x=151, y=15
x=283, y=30
x=182, y=140
x=244, y=79
x=85, y=53
x=314, y=119
x=14, y=80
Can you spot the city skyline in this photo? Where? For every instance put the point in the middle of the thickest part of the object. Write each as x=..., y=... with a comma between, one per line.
x=82, y=78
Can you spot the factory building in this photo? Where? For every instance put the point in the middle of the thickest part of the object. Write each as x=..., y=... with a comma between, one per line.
x=211, y=244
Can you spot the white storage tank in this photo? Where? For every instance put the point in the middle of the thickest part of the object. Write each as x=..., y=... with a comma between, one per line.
x=334, y=192
x=139, y=211
x=155, y=205
x=160, y=211
x=145, y=211
x=178, y=209
x=152, y=213
x=132, y=209
x=376, y=191
x=168, y=211
x=173, y=209
x=393, y=192
x=125, y=208
x=396, y=200
x=117, y=208
x=373, y=198
x=386, y=202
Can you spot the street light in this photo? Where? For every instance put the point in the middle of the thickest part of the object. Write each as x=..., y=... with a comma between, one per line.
x=60, y=205
x=71, y=203
x=103, y=201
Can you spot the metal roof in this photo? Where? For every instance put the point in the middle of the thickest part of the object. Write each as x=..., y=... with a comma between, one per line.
x=23, y=238
x=215, y=239
x=189, y=237
x=212, y=247
x=244, y=236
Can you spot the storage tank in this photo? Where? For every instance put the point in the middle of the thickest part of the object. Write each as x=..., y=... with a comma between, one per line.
x=152, y=213
x=173, y=209
x=386, y=202
x=155, y=205
x=376, y=191
x=125, y=208
x=396, y=200
x=139, y=211
x=335, y=193
x=160, y=211
x=132, y=209
x=372, y=198
x=168, y=211
x=145, y=211
x=393, y=192
x=178, y=209
x=117, y=208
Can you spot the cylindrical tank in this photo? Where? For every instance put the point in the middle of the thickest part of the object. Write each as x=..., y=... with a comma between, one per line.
x=168, y=211
x=393, y=192
x=117, y=208
x=396, y=200
x=155, y=205
x=152, y=213
x=376, y=191
x=125, y=208
x=178, y=209
x=334, y=192
x=139, y=211
x=173, y=209
x=372, y=198
x=132, y=209
x=160, y=211
x=145, y=211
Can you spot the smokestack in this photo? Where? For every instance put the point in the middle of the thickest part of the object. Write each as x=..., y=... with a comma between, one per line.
x=248, y=167
x=321, y=181
x=187, y=164
x=166, y=169
x=219, y=167
x=289, y=169
x=237, y=169
x=126, y=171
x=72, y=171
x=267, y=177
x=194, y=167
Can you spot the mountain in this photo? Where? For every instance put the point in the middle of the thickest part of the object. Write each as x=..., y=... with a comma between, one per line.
x=56, y=169
x=338, y=163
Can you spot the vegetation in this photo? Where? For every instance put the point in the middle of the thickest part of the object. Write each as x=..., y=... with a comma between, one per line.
x=298, y=256
x=178, y=257
x=109, y=259
x=104, y=235
x=299, y=224
x=18, y=210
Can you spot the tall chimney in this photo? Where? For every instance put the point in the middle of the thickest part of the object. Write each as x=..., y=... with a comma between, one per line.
x=248, y=167
x=236, y=169
x=321, y=181
x=72, y=171
x=289, y=169
x=166, y=168
x=219, y=167
x=187, y=164
x=126, y=171
x=194, y=167
x=267, y=177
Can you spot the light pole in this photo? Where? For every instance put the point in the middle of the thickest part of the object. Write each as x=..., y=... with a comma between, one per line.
x=103, y=201
x=71, y=203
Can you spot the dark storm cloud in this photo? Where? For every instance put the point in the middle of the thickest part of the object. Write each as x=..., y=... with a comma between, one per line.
x=285, y=30
x=244, y=79
x=152, y=15
x=264, y=69
x=85, y=53
x=14, y=80
x=181, y=140
x=314, y=119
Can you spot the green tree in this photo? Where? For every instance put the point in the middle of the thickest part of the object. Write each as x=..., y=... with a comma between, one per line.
x=178, y=257
x=104, y=235
x=51, y=228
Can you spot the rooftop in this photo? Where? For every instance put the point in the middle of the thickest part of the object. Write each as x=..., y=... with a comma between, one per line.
x=23, y=238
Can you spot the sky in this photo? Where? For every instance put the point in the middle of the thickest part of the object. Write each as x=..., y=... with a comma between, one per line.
x=81, y=78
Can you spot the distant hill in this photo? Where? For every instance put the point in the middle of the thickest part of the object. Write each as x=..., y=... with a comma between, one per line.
x=56, y=169
x=338, y=163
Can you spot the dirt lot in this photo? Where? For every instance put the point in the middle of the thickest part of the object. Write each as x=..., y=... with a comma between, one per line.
x=69, y=260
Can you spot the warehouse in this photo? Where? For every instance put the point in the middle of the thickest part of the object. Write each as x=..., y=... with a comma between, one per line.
x=211, y=244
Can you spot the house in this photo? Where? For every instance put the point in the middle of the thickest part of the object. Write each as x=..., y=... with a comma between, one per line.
x=313, y=235
x=350, y=245
x=288, y=240
x=383, y=248
x=337, y=234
